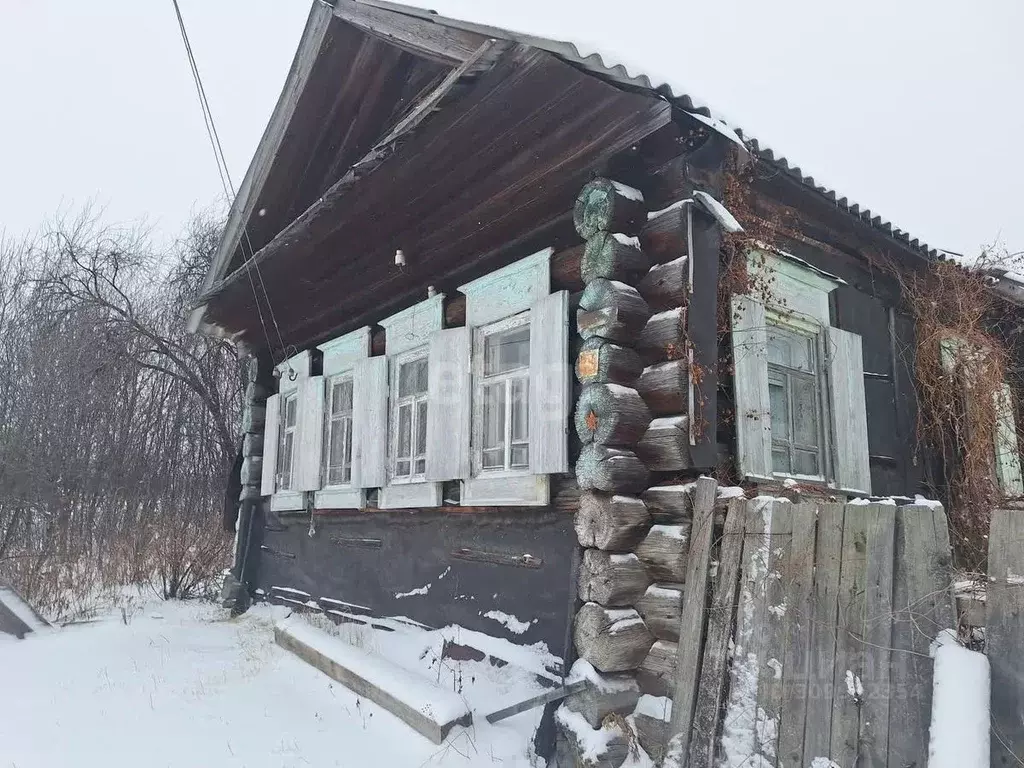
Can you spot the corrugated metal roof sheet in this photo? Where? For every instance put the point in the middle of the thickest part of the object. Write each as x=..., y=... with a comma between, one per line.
x=617, y=73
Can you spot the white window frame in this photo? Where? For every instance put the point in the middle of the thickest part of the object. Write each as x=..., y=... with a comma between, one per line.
x=808, y=328
x=342, y=357
x=331, y=423
x=796, y=298
x=480, y=381
x=407, y=335
x=410, y=356
x=517, y=292
x=283, y=433
x=291, y=375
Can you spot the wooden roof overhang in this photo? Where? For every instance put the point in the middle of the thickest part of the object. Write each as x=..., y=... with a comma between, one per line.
x=479, y=145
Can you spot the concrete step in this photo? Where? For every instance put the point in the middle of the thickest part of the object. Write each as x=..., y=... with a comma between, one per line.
x=425, y=707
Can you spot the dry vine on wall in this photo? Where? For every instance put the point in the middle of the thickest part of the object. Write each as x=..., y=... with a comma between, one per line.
x=953, y=309
x=960, y=370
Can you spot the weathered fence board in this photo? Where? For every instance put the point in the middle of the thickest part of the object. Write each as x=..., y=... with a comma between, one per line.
x=847, y=686
x=716, y=640
x=691, y=629
x=1003, y=633
x=828, y=550
x=798, y=578
x=830, y=609
x=880, y=530
x=773, y=644
x=922, y=606
x=745, y=735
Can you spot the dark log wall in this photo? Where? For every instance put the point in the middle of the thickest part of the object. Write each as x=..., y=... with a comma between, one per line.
x=467, y=559
x=680, y=158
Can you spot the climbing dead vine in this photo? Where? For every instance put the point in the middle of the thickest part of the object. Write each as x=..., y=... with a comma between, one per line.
x=960, y=368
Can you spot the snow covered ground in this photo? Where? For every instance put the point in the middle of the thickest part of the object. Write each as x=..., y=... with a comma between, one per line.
x=182, y=684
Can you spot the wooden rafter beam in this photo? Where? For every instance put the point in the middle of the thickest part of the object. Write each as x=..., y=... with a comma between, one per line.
x=309, y=224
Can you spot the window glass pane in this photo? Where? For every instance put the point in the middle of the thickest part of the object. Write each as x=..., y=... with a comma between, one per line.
x=494, y=416
x=336, y=448
x=404, y=431
x=520, y=455
x=421, y=428
x=421, y=466
x=421, y=376
x=285, y=467
x=507, y=351
x=805, y=462
x=346, y=472
x=412, y=377
x=520, y=409
x=805, y=411
x=290, y=410
x=779, y=402
x=341, y=397
x=493, y=459
x=780, y=460
x=790, y=349
x=402, y=468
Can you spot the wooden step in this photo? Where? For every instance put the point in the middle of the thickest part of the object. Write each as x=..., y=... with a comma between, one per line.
x=425, y=707
x=17, y=617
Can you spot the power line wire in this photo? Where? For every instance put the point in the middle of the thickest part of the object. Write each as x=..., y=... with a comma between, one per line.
x=229, y=190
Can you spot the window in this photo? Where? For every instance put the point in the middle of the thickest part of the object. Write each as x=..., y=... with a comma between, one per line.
x=798, y=382
x=338, y=458
x=794, y=375
x=409, y=415
x=286, y=447
x=503, y=394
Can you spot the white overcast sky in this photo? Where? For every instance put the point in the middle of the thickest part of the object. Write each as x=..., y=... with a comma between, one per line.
x=913, y=108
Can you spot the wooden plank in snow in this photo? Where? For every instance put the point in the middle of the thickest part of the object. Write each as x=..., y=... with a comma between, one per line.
x=423, y=706
x=17, y=617
x=1003, y=633
x=828, y=550
x=922, y=606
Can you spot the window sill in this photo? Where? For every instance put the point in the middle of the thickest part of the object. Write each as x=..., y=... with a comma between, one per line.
x=339, y=497
x=286, y=501
x=506, y=490
x=409, y=495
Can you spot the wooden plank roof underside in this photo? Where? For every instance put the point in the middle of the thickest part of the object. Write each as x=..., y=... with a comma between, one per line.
x=449, y=147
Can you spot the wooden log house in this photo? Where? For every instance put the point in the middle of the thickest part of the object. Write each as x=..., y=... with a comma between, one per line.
x=478, y=275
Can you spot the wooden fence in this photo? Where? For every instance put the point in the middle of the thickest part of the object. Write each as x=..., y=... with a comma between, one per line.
x=827, y=612
x=1004, y=635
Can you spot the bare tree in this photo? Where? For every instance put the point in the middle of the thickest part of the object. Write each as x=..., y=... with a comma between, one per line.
x=117, y=426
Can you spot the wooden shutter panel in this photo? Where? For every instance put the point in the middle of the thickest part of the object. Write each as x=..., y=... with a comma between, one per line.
x=370, y=422
x=849, y=413
x=750, y=384
x=448, y=412
x=549, y=384
x=1008, y=469
x=273, y=423
x=310, y=434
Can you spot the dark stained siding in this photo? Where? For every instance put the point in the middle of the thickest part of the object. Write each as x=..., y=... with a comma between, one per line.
x=417, y=550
